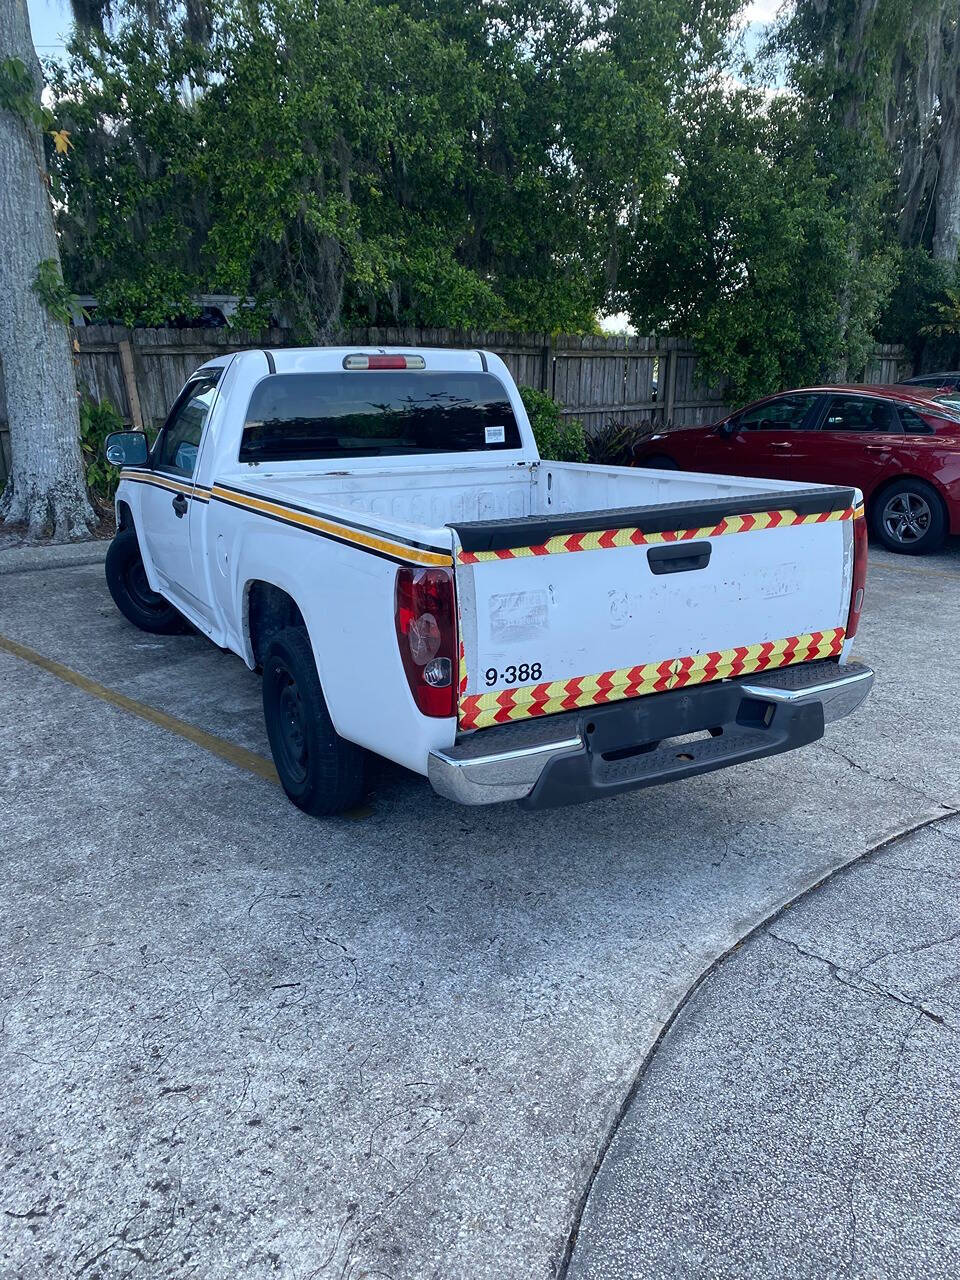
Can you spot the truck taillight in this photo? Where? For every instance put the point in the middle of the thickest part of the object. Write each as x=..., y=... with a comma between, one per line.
x=426, y=618
x=859, y=572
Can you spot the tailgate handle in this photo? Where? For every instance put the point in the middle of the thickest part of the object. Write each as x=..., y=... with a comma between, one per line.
x=679, y=559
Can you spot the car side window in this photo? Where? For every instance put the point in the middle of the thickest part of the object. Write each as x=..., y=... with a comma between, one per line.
x=860, y=413
x=789, y=413
x=178, y=444
x=912, y=422
x=945, y=380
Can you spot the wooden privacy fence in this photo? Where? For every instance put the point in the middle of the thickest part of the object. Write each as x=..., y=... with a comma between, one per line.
x=596, y=379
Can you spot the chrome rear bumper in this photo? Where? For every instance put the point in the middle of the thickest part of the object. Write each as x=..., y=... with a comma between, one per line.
x=597, y=751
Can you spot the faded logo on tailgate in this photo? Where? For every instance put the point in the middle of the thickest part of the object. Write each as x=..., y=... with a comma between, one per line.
x=621, y=607
x=518, y=615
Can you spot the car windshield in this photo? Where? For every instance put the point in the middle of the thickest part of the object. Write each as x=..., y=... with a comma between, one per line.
x=948, y=406
x=366, y=413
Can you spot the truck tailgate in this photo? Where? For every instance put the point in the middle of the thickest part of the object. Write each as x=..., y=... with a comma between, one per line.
x=568, y=611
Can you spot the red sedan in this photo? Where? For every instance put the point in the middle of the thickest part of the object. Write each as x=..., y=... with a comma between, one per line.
x=900, y=445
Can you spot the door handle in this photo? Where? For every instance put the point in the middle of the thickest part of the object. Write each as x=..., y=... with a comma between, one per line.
x=180, y=506
x=780, y=444
x=877, y=448
x=679, y=558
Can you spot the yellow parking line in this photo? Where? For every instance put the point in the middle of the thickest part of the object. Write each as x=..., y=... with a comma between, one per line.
x=229, y=751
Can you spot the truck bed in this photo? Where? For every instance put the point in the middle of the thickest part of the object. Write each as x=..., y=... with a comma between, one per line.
x=426, y=500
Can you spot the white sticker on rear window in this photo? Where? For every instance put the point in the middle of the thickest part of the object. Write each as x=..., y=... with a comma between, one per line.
x=494, y=435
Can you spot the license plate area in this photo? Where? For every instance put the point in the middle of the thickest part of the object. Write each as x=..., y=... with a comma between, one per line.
x=615, y=732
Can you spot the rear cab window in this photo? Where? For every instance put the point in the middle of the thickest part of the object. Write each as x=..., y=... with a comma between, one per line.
x=301, y=417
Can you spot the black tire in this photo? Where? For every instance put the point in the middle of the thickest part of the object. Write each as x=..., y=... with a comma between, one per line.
x=909, y=517
x=127, y=580
x=659, y=462
x=321, y=772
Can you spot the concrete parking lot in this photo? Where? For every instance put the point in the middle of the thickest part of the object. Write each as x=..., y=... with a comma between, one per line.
x=238, y=1041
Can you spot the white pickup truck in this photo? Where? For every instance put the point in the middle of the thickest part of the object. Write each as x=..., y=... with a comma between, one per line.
x=377, y=532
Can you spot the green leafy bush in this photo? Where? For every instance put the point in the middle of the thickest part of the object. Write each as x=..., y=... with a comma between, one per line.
x=559, y=439
x=614, y=444
x=56, y=296
x=96, y=423
x=20, y=94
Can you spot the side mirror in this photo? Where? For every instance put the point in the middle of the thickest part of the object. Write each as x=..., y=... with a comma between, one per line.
x=126, y=448
x=728, y=428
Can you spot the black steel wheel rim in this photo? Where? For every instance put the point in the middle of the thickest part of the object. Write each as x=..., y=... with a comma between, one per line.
x=139, y=591
x=291, y=723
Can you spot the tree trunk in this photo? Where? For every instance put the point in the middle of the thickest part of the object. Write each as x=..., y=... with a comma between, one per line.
x=946, y=234
x=46, y=489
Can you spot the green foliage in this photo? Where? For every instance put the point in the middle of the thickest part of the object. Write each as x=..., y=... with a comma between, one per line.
x=915, y=313
x=355, y=161
x=751, y=259
x=19, y=93
x=862, y=75
x=614, y=444
x=519, y=165
x=96, y=423
x=947, y=316
x=49, y=286
x=557, y=439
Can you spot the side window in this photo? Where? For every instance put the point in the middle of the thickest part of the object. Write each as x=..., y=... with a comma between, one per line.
x=948, y=381
x=789, y=413
x=912, y=422
x=179, y=442
x=860, y=413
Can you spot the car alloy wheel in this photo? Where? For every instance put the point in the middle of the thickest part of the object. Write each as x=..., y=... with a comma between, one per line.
x=906, y=517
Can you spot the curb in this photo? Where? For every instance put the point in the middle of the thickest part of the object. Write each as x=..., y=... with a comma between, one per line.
x=62, y=555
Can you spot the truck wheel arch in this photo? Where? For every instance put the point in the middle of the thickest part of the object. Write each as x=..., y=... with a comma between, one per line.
x=267, y=610
x=124, y=516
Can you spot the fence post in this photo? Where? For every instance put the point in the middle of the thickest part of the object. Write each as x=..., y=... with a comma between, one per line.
x=130, y=383
x=668, y=358
x=546, y=366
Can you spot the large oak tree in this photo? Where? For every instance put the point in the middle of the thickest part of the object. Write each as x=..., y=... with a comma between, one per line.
x=46, y=490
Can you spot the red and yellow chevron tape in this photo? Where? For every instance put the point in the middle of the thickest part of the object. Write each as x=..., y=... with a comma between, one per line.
x=481, y=710
x=605, y=539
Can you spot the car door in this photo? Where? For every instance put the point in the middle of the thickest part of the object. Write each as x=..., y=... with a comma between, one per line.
x=762, y=440
x=855, y=442
x=165, y=504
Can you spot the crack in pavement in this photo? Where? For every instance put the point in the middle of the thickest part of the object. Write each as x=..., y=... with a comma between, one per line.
x=881, y=777
x=878, y=1097
x=844, y=976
